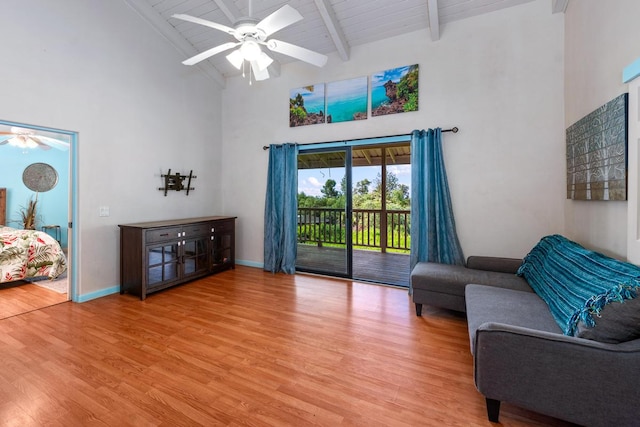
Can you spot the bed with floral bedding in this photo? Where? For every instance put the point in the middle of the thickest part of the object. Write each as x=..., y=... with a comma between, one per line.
x=29, y=253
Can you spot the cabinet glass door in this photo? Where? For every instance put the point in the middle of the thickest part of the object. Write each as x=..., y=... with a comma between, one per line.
x=195, y=256
x=221, y=247
x=163, y=263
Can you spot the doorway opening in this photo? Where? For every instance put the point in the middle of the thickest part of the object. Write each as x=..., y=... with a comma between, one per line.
x=354, y=212
x=39, y=166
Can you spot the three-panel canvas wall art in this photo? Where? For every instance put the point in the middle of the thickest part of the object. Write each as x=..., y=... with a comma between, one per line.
x=390, y=91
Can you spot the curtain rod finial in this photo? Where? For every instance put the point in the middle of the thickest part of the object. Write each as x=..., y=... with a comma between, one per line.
x=454, y=129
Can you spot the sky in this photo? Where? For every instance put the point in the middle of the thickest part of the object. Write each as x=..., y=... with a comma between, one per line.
x=393, y=74
x=311, y=181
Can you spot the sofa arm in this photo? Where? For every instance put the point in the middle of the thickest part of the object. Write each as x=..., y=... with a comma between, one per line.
x=578, y=380
x=489, y=263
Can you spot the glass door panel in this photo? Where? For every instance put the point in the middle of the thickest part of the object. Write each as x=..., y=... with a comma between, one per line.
x=195, y=256
x=323, y=229
x=381, y=213
x=367, y=211
x=354, y=212
x=164, y=264
x=221, y=248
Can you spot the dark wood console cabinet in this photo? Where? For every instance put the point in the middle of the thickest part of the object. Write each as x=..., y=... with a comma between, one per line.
x=160, y=254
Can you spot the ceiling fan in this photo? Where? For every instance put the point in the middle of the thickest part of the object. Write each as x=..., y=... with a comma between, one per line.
x=250, y=35
x=27, y=138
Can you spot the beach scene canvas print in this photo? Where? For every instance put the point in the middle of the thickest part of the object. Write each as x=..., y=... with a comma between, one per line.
x=347, y=100
x=394, y=91
x=306, y=105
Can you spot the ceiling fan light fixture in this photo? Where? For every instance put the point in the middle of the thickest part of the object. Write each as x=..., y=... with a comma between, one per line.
x=250, y=50
x=250, y=34
x=259, y=74
x=22, y=142
x=263, y=61
x=236, y=58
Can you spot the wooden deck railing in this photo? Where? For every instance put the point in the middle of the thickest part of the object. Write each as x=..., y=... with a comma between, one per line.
x=369, y=227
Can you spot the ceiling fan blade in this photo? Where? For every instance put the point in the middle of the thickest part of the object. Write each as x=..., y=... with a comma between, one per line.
x=301, y=53
x=204, y=22
x=44, y=142
x=207, y=53
x=39, y=142
x=259, y=74
x=279, y=19
x=52, y=142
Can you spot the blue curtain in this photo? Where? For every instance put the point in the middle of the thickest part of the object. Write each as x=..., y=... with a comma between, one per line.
x=280, y=212
x=433, y=229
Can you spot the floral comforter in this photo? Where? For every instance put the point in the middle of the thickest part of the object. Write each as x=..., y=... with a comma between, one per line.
x=29, y=253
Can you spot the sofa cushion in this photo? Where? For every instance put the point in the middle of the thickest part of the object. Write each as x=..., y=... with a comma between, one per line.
x=508, y=306
x=451, y=279
x=490, y=263
x=617, y=322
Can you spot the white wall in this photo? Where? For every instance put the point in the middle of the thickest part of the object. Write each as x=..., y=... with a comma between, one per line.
x=601, y=38
x=498, y=77
x=96, y=67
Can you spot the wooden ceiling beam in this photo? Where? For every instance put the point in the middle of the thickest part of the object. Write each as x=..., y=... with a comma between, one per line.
x=333, y=26
x=160, y=24
x=560, y=6
x=229, y=9
x=434, y=20
x=366, y=155
x=392, y=155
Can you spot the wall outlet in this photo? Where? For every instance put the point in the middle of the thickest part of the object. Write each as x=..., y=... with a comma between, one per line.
x=103, y=211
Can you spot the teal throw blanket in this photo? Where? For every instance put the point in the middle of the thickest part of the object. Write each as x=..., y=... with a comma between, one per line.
x=577, y=283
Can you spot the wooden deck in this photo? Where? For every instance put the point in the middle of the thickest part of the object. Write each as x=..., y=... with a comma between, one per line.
x=373, y=266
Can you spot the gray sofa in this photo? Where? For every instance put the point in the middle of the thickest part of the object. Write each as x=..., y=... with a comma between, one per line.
x=521, y=355
x=443, y=285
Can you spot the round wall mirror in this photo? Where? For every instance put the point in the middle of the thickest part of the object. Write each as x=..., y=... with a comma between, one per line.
x=40, y=177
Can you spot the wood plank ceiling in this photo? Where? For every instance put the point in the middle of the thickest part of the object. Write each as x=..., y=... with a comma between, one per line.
x=329, y=26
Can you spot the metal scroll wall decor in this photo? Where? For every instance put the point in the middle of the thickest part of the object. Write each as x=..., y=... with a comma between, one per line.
x=176, y=182
x=597, y=153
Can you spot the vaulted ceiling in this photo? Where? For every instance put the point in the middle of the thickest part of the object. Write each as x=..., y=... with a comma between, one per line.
x=329, y=26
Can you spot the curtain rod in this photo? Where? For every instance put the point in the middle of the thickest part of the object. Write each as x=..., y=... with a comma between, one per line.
x=452, y=130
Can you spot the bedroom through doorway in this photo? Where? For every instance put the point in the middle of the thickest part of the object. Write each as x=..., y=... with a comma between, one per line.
x=37, y=181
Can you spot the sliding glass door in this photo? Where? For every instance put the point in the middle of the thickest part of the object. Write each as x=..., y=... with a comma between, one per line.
x=381, y=213
x=354, y=212
x=324, y=207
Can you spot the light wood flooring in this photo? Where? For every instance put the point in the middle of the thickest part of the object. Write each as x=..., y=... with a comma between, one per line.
x=244, y=348
x=22, y=297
